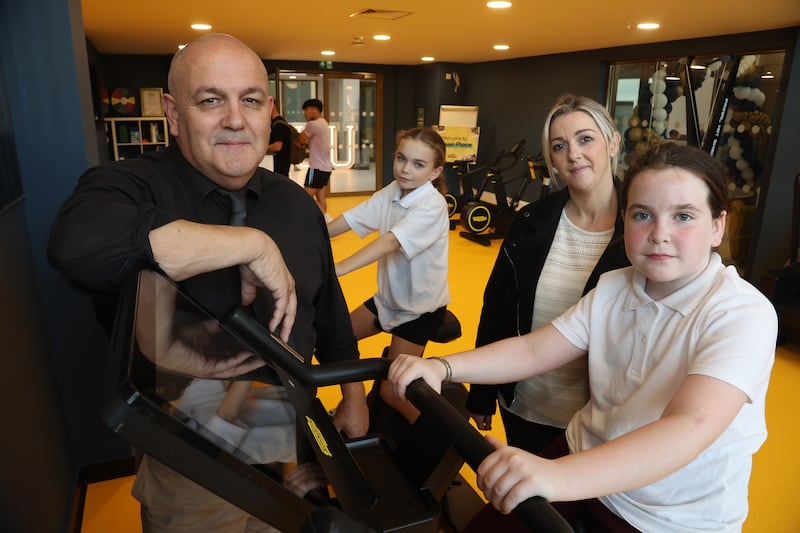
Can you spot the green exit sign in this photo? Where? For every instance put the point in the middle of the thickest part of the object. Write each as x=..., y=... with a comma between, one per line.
x=326, y=65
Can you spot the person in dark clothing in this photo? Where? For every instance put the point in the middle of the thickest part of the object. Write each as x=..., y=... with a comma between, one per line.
x=554, y=253
x=170, y=212
x=279, y=143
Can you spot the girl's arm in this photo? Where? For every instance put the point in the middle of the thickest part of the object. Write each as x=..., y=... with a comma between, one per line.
x=690, y=424
x=337, y=226
x=380, y=247
x=504, y=361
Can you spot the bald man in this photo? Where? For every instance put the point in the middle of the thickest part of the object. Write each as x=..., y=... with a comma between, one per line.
x=168, y=211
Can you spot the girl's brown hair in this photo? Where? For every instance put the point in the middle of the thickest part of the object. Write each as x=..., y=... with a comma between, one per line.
x=430, y=138
x=669, y=154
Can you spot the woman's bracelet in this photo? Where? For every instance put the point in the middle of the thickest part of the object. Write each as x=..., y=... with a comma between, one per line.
x=447, y=367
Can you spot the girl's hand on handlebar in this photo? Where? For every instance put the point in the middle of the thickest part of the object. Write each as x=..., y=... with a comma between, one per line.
x=510, y=476
x=406, y=368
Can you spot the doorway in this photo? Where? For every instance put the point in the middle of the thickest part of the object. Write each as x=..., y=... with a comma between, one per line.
x=352, y=102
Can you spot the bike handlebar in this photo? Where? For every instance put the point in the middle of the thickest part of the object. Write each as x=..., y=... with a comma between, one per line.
x=535, y=512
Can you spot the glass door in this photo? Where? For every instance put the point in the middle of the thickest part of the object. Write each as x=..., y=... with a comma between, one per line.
x=351, y=102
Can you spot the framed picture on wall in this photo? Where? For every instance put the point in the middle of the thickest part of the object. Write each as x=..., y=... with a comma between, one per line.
x=151, y=101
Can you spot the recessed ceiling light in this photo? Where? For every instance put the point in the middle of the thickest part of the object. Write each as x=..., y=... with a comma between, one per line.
x=501, y=47
x=498, y=4
x=381, y=37
x=428, y=58
x=697, y=67
x=328, y=53
x=201, y=26
x=648, y=25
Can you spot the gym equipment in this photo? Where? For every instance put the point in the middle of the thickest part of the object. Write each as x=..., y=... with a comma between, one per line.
x=505, y=159
x=373, y=483
x=485, y=221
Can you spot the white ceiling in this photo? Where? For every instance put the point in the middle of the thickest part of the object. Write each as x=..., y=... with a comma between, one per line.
x=460, y=31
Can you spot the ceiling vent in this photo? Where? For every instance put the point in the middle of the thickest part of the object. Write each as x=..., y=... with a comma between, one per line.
x=383, y=14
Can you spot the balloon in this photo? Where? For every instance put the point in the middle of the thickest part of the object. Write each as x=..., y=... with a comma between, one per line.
x=658, y=100
x=735, y=152
x=658, y=86
x=672, y=92
x=659, y=115
x=635, y=134
x=658, y=126
x=750, y=80
x=741, y=92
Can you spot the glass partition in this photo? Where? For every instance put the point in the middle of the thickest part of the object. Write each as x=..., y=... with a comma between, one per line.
x=724, y=104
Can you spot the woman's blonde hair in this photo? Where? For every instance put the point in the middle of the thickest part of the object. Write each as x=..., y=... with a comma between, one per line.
x=568, y=103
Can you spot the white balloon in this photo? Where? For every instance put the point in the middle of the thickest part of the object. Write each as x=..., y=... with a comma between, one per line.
x=659, y=114
x=742, y=164
x=758, y=97
x=735, y=152
x=742, y=93
x=659, y=126
x=658, y=100
x=658, y=86
x=733, y=141
x=747, y=175
x=660, y=74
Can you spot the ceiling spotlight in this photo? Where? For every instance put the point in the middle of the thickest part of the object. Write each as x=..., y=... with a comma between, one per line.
x=428, y=58
x=498, y=4
x=648, y=25
x=381, y=37
x=501, y=47
x=201, y=26
x=328, y=53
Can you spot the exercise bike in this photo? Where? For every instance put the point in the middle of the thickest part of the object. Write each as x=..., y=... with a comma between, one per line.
x=375, y=483
x=484, y=221
x=505, y=159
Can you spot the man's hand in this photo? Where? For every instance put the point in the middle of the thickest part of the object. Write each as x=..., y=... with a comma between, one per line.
x=185, y=249
x=270, y=272
x=352, y=413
